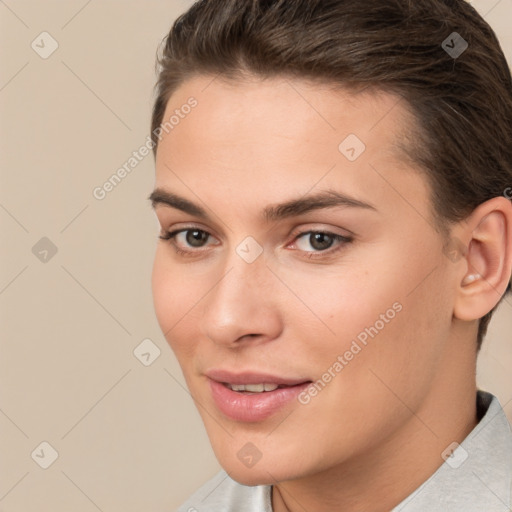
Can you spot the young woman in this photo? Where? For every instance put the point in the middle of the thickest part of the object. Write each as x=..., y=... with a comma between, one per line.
x=333, y=188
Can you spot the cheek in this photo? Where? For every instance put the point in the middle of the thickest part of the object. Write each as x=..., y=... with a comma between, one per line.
x=392, y=320
x=163, y=301
x=336, y=308
x=400, y=329
x=174, y=297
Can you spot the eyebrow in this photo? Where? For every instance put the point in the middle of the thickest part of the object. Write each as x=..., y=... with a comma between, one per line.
x=292, y=208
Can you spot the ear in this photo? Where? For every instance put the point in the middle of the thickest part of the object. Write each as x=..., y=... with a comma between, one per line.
x=487, y=259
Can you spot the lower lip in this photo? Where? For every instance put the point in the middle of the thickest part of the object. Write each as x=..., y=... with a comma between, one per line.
x=253, y=407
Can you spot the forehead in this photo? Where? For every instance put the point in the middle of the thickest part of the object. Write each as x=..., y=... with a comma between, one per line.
x=261, y=137
x=286, y=108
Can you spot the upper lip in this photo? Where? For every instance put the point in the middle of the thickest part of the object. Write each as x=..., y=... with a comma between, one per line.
x=251, y=377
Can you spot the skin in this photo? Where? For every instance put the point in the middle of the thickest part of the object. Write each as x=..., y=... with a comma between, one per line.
x=378, y=429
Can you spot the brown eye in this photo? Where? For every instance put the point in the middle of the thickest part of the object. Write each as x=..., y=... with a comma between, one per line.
x=321, y=241
x=196, y=237
x=188, y=238
x=318, y=241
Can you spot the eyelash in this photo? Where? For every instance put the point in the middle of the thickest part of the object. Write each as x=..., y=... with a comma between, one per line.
x=339, y=241
x=170, y=237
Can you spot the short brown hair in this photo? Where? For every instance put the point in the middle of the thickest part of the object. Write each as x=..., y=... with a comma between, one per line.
x=463, y=103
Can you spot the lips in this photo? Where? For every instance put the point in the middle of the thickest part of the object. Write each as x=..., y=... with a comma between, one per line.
x=252, y=396
x=249, y=377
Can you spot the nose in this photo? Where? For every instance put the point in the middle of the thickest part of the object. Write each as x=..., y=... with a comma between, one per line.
x=243, y=305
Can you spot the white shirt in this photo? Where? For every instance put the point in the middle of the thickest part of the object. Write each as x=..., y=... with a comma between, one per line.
x=476, y=478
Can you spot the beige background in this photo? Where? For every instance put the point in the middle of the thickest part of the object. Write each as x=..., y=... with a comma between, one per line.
x=127, y=435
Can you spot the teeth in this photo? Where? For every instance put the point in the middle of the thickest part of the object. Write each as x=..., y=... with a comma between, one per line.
x=253, y=388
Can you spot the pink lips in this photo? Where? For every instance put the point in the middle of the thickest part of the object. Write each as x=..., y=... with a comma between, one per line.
x=248, y=407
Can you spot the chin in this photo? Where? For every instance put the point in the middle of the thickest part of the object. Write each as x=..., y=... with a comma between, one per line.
x=263, y=472
x=251, y=476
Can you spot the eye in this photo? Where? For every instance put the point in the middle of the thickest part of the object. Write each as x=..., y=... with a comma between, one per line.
x=187, y=239
x=319, y=241
x=193, y=237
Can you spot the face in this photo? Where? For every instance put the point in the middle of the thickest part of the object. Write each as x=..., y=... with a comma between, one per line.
x=297, y=250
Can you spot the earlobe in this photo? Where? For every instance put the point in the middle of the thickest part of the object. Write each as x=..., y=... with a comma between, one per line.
x=488, y=259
